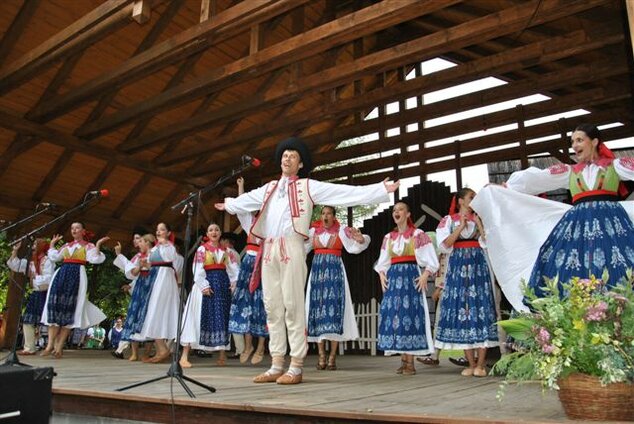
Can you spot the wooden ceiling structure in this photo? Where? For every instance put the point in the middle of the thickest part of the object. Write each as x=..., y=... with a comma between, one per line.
x=155, y=98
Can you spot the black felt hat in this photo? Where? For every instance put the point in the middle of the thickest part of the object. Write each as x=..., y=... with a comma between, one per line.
x=140, y=231
x=295, y=144
x=229, y=236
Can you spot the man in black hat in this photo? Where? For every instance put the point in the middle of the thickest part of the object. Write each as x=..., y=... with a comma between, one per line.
x=286, y=207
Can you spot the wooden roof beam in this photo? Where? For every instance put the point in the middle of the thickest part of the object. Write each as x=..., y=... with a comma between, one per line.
x=310, y=43
x=96, y=24
x=576, y=75
x=499, y=155
x=91, y=216
x=221, y=27
x=15, y=30
x=466, y=146
x=427, y=46
x=55, y=136
x=456, y=129
x=547, y=50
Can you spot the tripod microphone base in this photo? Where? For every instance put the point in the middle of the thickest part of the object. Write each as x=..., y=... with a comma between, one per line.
x=12, y=359
x=175, y=371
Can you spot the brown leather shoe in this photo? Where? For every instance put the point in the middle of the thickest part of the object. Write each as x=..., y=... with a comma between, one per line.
x=288, y=378
x=408, y=369
x=267, y=377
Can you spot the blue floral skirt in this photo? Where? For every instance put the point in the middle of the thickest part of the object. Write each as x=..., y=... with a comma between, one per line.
x=590, y=237
x=63, y=292
x=327, y=296
x=403, y=317
x=137, y=309
x=34, y=307
x=247, y=309
x=214, y=312
x=467, y=310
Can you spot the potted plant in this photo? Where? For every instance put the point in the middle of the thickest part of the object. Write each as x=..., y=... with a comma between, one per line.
x=580, y=342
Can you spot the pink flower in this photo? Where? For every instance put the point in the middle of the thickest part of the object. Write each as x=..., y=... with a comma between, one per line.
x=548, y=348
x=543, y=336
x=597, y=312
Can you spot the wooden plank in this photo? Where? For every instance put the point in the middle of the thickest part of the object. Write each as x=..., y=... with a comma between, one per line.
x=52, y=135
x=500, y=155
x=169, y=200
x=141, y=11
x=15, y=30
x=467, y=146
x=21, y=144
x=364, y=389
x=314, y=41
x=418, y=49
x=478, y=99
x=425, y=84
x=629, y=8
x=521, y=135
x=87, y=29
x=225, y=25
x=132, y=196
x=161, y=24
x=92, y=216
x=594, y=97
x=51, y=176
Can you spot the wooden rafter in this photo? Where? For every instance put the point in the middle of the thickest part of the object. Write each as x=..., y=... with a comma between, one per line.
x=55, y=136
x=386, y=59
x=14, y=32
x=310, y=43
x=223, y=26
x=92, y=26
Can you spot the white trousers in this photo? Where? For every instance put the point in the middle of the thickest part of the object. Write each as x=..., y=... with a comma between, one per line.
x=283, y=279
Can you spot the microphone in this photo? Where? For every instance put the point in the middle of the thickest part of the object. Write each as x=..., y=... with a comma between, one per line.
x=249, y=160
x=99, y=193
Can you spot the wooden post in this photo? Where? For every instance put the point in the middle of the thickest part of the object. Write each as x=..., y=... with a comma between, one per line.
x=350, y=211
x=521, y=133
x=255, y=42
x=458, y=160
x=207, y=9
x=564, y=140
x=141, y=11
x=11, y=317
x=396, y=158
x=629, y=5
x=421, y=126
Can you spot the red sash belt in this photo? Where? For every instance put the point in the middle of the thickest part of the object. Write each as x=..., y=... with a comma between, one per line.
x=75, y=261
x=253, y=248
x=144, y=273
x=402, y=259
x=336, y=252
x=215, y=266
x=600, y=194
x=465, y=244
x=168, y=264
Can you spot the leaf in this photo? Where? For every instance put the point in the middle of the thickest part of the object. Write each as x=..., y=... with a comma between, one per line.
x=518, y=328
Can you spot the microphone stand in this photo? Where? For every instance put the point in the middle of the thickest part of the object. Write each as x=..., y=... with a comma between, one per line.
x=26, y=219
x=12, y=358
x=175, y=370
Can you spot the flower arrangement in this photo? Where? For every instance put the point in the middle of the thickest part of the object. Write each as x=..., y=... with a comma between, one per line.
x=588, y=330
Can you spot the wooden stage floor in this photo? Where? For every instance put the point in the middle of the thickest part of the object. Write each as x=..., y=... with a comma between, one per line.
x=364, y=388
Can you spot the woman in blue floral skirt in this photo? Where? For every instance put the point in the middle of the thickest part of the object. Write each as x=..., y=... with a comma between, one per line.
x=467, y=313
x=404, y=326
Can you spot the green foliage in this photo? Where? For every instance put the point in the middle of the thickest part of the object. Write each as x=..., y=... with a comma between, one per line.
x=104, y=286
x=584, y=328
x=5, y=252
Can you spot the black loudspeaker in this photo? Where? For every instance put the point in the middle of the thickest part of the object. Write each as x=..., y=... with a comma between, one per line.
x=25, y=395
